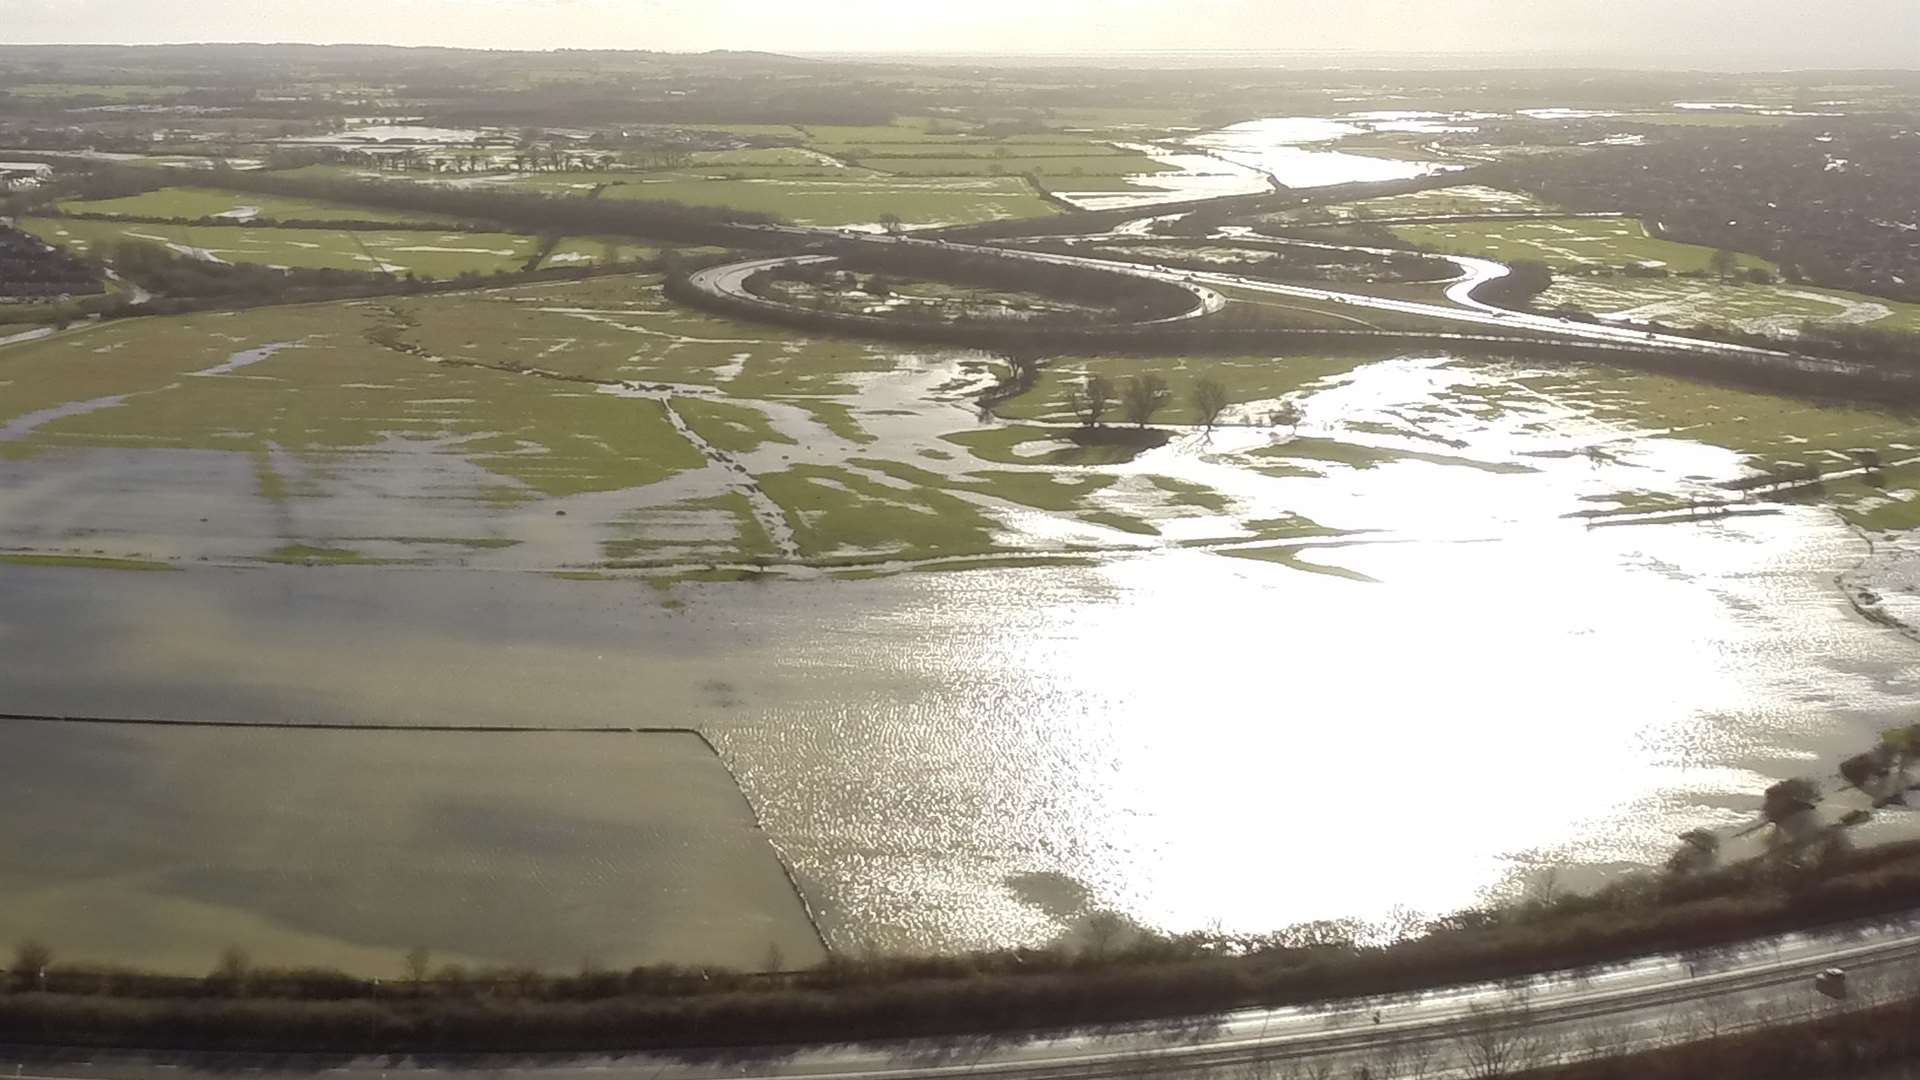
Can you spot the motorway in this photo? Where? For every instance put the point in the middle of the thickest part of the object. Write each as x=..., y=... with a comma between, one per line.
x=1647, y=1003
x=1467, y=313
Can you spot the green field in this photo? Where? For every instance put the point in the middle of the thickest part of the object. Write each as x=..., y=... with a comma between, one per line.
x=1565, y=243
x=1083, y=165
x=106, y=91
x=904, y=130
x=1064, y=146
x=429, y=254
x=858, y=201
x=193, y=204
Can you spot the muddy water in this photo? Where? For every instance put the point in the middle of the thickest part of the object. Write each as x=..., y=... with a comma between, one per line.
x=1189, y=738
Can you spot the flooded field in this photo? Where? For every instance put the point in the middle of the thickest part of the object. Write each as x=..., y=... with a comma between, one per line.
x=159, y=847
x=1268, y=674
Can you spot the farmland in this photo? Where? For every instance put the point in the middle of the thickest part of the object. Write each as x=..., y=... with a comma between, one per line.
x=428, y=254
x=194, y=204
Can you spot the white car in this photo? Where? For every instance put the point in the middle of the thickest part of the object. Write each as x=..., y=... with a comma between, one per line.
x=1832, y=982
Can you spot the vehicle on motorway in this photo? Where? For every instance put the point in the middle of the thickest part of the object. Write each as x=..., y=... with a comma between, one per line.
x=1832, y=982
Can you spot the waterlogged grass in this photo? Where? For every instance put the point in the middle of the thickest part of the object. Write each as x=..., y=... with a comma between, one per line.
x=85, y=562
x=1567, y=243
x=1433, y=202
x=735, y=428
x=526, y=428
x=1246, y=378
x=597, y=251
x=422, y=253
x=833, y=200
x=1040, y=490
x=1293, y=556
x=1187, y=493
x=1777, y=435
x=622, y=328
x=193, y=204
x=1024, y=444
x=310, y=555
x=1358, y=456
x=1745, y=306
x=838, y=512
x=335, y=389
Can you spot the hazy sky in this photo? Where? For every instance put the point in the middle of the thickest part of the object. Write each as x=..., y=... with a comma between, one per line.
x=1712, y=32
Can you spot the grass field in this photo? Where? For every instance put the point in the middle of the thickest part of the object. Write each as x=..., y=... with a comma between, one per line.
x=1087, y=165
x=431, y=254
x=1753, y=308
x=856, y=201
x=1565, y=243
x=597, y=251
x=193, y=204
x=110, y=92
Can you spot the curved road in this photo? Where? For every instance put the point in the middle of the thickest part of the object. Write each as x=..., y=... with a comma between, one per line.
x=730, y=280
x=1464, y=309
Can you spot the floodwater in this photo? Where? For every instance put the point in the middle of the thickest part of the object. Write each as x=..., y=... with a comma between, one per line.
x=1485, y=689
x=158, y=848
x=1284, y=148
x=1250, y=158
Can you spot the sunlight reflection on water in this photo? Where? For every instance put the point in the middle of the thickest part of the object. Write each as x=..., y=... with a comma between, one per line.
x=949, y=760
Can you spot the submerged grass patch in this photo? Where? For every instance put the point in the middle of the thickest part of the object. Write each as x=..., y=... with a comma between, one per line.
x=1744, y=306
x=88, y=562
x=1246, y=379
x=1567, y=243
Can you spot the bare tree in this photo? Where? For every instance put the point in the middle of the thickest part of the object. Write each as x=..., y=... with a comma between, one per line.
x=1289, y=414
x=891, y=222
x=1496, y=1041
x=1103, y=930
x=1091, y=400
x=1145, y=395
x=232, y=971
x=419, y=962
x=1023, y=366
x=31, y=959
x=1209, y=400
